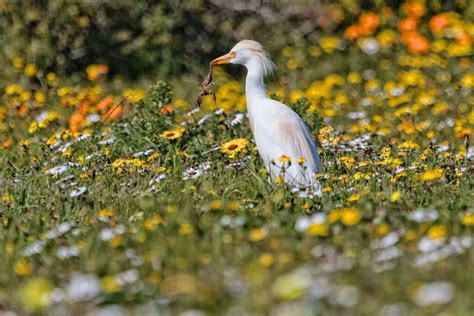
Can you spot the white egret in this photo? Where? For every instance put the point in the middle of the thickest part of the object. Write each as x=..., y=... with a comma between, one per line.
x=283, y=140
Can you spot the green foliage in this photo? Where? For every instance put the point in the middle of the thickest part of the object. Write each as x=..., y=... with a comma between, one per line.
x=141, y=36
x=143, y=125
x=159, y=95
x=168, y=37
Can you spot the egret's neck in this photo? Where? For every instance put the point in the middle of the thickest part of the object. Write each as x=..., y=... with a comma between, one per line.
x=254, y=86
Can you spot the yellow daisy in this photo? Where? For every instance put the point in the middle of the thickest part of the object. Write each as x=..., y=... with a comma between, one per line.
x=284, y=158
x=301, y=160
x=235, y=146
x=431, y=175
x=173, y=134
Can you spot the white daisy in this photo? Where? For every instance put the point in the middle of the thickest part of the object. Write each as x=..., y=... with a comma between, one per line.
x=57, y=170
x=67, y=252
x=435, y=293
x=83, y=287
x=77, y=191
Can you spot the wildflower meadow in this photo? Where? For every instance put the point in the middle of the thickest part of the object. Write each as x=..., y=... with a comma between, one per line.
x=119, y=196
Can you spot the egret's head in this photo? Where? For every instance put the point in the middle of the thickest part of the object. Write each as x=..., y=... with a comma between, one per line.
x=246, y=52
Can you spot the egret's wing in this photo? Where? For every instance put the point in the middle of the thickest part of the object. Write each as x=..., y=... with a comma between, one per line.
x=296, y=142
x=280, y=131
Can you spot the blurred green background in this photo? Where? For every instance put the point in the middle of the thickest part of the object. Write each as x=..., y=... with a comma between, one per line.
x=169, y=38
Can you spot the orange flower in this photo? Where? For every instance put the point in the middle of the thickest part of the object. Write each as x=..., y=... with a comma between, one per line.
x=407, y=25
x=167, y=109
x=7, y=143
x=463, y=132
x=105, y=103
x=368, y=22
x=95, y=71
x=83, y=107
x=21, y=110
x=76, y=120
x=414, y=8
x=438, y=23
x=352, y=32
x=416, y=42
x=113, y=113
x=463, y=39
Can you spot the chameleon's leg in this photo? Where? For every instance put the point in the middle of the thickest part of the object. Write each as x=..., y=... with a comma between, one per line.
x=199, y=101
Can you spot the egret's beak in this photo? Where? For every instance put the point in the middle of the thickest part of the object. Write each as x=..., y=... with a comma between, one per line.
x=224, y=59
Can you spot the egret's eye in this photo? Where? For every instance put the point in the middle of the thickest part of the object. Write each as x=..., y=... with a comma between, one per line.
x=233, y=54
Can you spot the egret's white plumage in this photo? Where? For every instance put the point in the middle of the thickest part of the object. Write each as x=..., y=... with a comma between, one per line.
x=278, y=130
